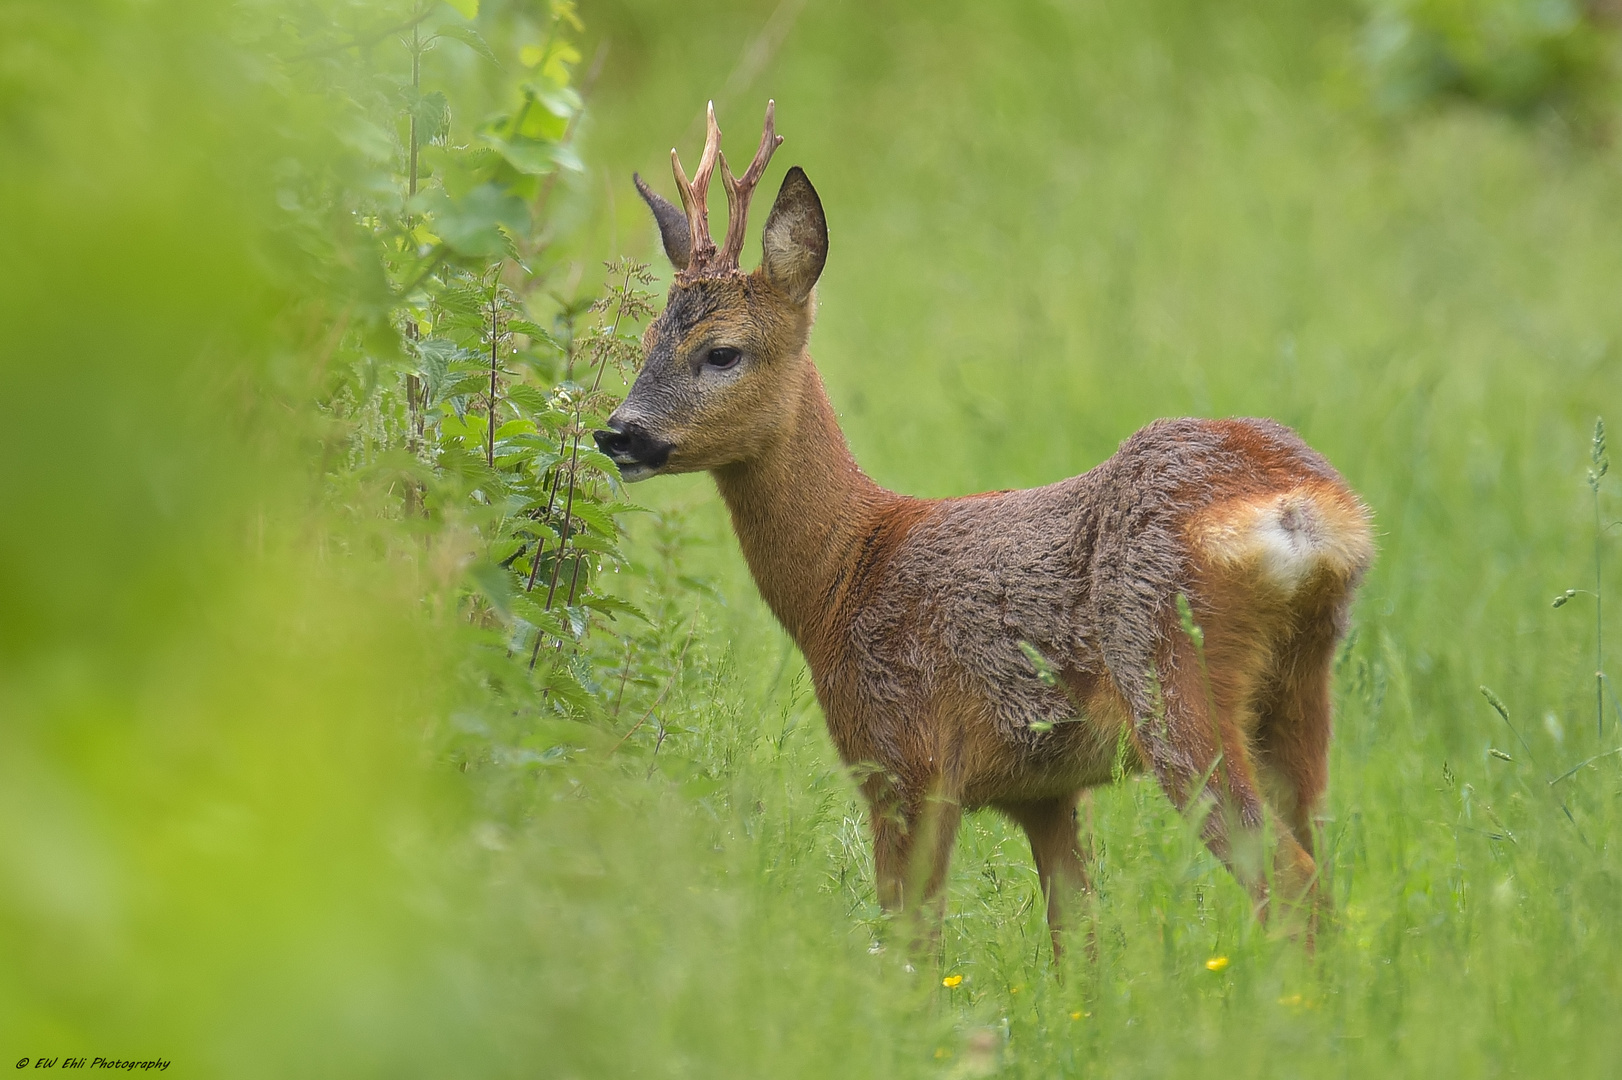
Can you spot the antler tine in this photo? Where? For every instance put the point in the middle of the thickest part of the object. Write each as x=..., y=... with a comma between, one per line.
x=740, y=190
x=695, y=193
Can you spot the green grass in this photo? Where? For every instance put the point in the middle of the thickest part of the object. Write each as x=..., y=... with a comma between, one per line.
x=1053, y=223
x=1050, y=224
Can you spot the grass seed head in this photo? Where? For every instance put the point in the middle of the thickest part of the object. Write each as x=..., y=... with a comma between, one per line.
x=1044, y=669
x=1596, y=455
x=1185, y=613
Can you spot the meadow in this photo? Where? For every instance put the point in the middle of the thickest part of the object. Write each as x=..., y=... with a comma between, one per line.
x=232, y=832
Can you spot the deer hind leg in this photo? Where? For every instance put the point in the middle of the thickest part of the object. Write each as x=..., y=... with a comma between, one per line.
x=1061, y=861
x=1292, y=737
x=1200, y=749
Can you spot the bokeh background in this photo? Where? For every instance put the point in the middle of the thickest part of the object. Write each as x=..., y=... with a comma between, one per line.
x=231, y=835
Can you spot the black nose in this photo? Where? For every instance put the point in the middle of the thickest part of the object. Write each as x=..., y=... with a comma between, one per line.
x=628, y=444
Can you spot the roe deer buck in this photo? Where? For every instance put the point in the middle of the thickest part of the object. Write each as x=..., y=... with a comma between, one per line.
x=915, y=615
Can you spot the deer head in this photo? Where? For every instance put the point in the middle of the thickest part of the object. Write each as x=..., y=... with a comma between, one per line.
x=724, y=363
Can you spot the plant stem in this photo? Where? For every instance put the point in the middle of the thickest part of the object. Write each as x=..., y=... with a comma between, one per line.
x=674, y=675
x=1599, y=621
x=416, y=87
x=416, y=396
x=574, y=463
x=568, y=518
x=625, y=676
x=551, y=500
x=495, y=339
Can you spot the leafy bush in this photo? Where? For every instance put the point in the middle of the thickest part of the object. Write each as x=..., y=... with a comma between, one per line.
x=1518, y=56
x=468, y=372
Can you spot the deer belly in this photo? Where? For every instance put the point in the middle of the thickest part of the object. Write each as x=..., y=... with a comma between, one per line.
x=1047, y=759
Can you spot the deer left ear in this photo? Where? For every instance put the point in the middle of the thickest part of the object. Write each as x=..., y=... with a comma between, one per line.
x=795, y=237
x=673, y=230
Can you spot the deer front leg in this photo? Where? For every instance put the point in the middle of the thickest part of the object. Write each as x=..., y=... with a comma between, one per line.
x=913, y=838
x=892, y=842
x=1061, y=860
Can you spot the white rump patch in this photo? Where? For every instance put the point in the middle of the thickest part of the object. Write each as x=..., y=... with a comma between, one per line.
x=1286, y=545
x=1288, y=537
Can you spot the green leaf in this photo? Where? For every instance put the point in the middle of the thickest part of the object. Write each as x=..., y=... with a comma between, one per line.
x=563, y=102
x=494, y=583
x=557, y=63
x=534, y=157
x=435, y=355
x=593, y=515
x=514, y=428
x=468, y=384
x=470, y=37
x=527, y=607
x=530, y=529
x=433, y=115
x=613, y=605
x=537, y=334
x=525, y=396
x=468, y=9
x=579, y=620
x=593, y=543
x=473, y=225
x=541, y=124
x=560, y=682
x=566, y=157
x=459, y=169
x=599, y=461
x=462, y=301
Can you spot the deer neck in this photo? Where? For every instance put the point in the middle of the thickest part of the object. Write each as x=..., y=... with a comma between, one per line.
x=800, y=510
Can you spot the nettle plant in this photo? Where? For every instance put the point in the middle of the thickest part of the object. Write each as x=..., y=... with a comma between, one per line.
x=466, y=381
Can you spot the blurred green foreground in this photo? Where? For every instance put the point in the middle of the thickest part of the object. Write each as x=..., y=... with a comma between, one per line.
x=229, y=835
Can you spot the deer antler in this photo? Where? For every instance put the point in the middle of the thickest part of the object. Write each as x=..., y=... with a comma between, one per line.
x=740, y=190
x=693, y=195
x=702, y=261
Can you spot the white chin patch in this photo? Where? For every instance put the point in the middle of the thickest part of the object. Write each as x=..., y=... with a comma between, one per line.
x=636, y=471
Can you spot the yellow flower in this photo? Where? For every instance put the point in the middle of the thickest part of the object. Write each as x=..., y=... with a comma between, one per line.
x=952, y=982
x=1015, y=989
x=1216, y=963
x=1077, y=1015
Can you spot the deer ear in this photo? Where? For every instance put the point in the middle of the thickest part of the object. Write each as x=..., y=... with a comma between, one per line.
x=795, y=237
x=678, y=240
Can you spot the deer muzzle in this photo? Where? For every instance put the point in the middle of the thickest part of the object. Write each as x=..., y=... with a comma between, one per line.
x=638, y=453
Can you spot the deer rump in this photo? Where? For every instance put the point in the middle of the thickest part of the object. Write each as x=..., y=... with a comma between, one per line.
x=1257, y=529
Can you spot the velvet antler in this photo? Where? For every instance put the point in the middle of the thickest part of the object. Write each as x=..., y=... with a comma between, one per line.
x=703, y=260
x=739, y=190
x=695, y=194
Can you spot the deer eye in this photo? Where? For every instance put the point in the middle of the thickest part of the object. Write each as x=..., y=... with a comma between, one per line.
x=721, y=358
